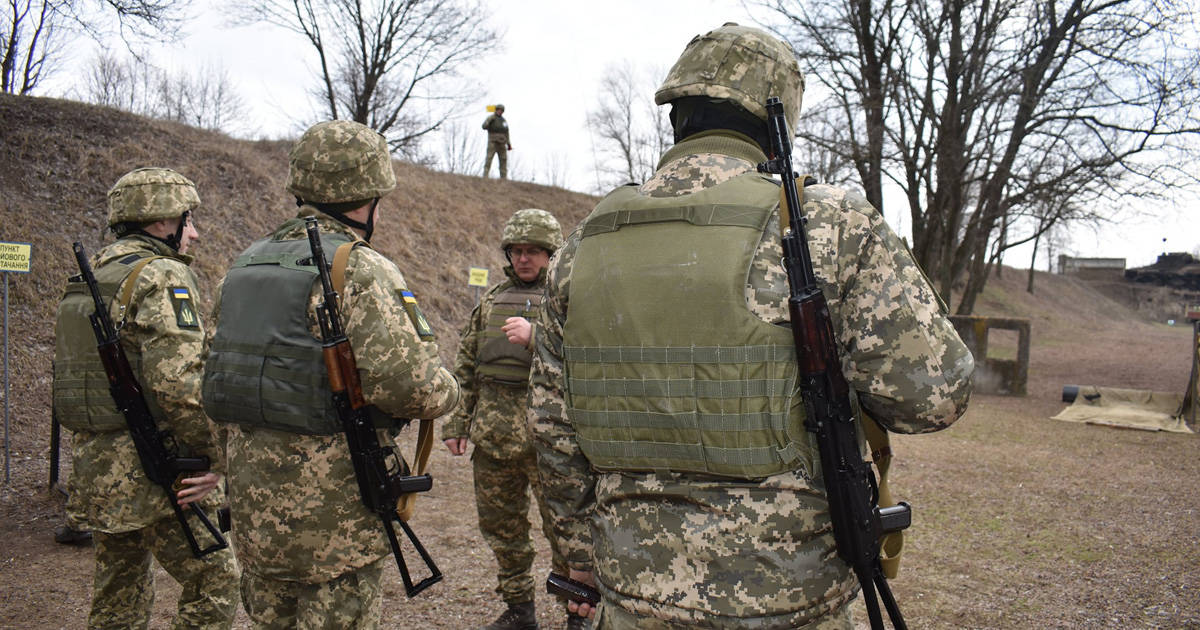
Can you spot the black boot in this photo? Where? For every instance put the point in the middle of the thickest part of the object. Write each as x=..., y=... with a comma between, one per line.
x=517, y=617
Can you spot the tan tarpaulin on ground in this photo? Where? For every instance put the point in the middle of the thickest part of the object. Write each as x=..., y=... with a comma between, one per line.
x=1130, y=408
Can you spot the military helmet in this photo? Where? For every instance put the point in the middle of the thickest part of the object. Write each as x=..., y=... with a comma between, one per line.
x=498, y=107
x=145, y=195
x=742, y=64
x=338, y=161
x=533, y=226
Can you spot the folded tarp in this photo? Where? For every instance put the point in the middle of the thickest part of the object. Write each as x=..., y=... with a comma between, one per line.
x=1129, y=408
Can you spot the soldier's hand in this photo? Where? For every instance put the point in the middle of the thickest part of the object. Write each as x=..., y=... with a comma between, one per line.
x=510, y=147
x=196, y=488
x=518, y=330
x=457, y=446
x=583, y=610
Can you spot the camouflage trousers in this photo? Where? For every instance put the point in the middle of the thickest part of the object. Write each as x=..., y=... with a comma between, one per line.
x=499, y=149
x=610, y=617
x=350, y=602
x=123, y=591
x=502, y=499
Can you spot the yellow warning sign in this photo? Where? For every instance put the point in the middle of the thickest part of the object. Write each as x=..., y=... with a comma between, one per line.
x=477, y=277
x=15, y=257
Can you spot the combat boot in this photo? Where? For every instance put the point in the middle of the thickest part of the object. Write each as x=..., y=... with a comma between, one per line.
x=575, y=622
x=518, y=617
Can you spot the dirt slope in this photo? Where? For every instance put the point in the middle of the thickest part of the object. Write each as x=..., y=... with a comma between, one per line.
x=1020, y=521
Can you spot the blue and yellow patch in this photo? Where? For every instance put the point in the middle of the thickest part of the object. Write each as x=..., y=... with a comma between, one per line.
x=414, y=314
x=185, y=312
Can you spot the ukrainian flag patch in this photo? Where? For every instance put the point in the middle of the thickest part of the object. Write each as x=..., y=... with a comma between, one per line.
x=185, y=312
x=414, y=314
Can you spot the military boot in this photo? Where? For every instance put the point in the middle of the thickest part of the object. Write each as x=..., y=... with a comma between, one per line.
x=518, y=617
x=575, y=622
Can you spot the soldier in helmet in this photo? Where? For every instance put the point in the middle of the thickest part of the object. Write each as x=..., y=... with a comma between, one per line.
x=663, y=395
x=144, y=275
x=313, y=555
x=498, y=143
x=493, y=368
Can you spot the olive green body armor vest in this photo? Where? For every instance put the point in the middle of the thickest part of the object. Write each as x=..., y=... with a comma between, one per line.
x=667, y=369
x=499, y=360
x=82, y=400
x=264, y=367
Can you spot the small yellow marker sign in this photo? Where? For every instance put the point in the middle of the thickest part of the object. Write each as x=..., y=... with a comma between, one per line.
x=15, y=257
x=477, y=277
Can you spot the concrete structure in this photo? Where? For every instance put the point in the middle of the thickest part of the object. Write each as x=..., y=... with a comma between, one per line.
x=1092, y=268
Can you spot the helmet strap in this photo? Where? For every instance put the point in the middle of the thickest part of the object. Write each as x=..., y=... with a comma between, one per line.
x=368, y=227
x=174, y=240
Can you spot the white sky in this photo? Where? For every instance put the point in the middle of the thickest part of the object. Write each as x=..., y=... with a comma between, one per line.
x=547, y=75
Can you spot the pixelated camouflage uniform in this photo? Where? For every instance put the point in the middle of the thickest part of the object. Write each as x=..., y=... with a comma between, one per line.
x=674, y=550
x=492, y=415
x=130, y=517
x=311, y=552
x=497, y=143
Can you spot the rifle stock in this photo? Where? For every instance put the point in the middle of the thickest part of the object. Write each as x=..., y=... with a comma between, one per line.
x=850, y=485
x=161, y=463
x=382, y=477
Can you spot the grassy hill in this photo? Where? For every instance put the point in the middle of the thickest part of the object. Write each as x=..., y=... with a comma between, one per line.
x=59, y=158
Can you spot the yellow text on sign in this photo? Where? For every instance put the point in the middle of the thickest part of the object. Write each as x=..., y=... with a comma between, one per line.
x=15, y=257
x=477, y=277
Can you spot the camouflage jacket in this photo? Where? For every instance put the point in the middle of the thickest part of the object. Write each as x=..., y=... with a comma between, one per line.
x=297, y=513
x=497, y=128
x=761, y=549
x=491, y=415
x=109, y=491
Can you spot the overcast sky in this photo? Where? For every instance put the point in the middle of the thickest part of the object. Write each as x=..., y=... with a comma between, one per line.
x=547, y=77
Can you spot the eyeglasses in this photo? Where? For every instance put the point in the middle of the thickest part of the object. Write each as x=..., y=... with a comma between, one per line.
x=517, y=251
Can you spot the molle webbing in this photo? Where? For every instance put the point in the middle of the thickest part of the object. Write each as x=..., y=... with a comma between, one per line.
x=82, y=399
x=647, y=387
x=264, y=366
x=501, y=361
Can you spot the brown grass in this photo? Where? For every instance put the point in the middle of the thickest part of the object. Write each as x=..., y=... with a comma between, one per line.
x=1020, y=521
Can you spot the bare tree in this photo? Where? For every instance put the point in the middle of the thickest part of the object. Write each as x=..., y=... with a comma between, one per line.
x=629, y=131
x=983, y=112
x=393, y=65
x=461, y=147
x=204, y=97
x=35, y=33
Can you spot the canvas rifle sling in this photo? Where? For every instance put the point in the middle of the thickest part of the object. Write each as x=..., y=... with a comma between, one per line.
x=129, y=281
x=404, y=507
x=892, y=545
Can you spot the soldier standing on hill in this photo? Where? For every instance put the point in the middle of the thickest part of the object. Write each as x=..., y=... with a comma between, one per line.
x=151, y=212
x=663, y=388
x=313, y=554
x=493, y=368
x=498, y=143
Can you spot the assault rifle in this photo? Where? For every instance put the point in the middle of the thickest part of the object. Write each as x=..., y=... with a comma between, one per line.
x=858, y=522
x=382, y=476
x=156, y=448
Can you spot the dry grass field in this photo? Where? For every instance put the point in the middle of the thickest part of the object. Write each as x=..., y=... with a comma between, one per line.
x=1020, y=521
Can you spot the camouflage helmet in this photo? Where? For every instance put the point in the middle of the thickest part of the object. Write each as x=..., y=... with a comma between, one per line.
x=742, y=64
x=533, y=226
x=338, y=161
x=498, y=107
x=145, y=195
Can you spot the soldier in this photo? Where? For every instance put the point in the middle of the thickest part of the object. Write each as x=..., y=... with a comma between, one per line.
x=493, y=368
x=498, y=143
x=663, y=388
x=312, y=552
x=152, y=295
